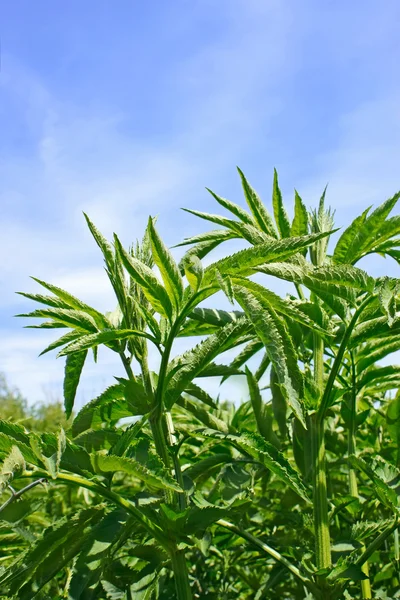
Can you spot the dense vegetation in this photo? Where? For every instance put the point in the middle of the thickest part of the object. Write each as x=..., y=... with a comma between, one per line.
x=291, y=494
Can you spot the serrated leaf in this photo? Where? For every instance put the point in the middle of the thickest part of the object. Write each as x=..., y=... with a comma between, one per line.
x=213, y=316
x=226, y=286
x=235, y=209
x=66, y=318
x=285, y=307
x=246, y=261
x=167, y=265
x=183, y=369
x=146, y=279
x=300, y=220
x=74, y=303
x=193, y=271
x=214, y=236
x=55, y=549
x=257, y=403
x=386, y=494
x=202, y=414
x=85, y=342
x=361, y=237
x=73, y=369
x=95, y=554
x=108, y=463
x=278, y=345
x=281, y=218
x=102, y=243
x=260, y=213
x=272, y=459
x=13, y=465
x=65, y=339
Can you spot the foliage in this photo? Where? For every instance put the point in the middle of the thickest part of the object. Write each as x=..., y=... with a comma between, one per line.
x=291, y=494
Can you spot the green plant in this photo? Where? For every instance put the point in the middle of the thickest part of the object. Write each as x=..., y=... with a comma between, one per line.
x=196, y=497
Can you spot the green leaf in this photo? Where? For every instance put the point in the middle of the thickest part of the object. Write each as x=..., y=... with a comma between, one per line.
x=244, y=355
x=95, y=554
x=74, y=303
x=393, y=419
x=103, y=337
x=281, y=218
x=145, y=278
x=167, y=265
x=347, y=238
x=216, y=236
x=102, y=243
x=73, y=369
x=193, y=271
x=241, y=230
x=66, y=318
x=109, y=463
x=246, y=261
x=273, y=333
x=213, y=316
x=361, y=236
x=388, y=291
x=260, y=213
x=13, y=465
x=59, y=544
x=263, y=425
x=300, y=220
x=375, y=350
x=384, y=478
x=202, y=414
x=279, y=404
x=254, y=445
x=235, y=209
x=65, y=339
x=226, y=286
x=203, y=468
x=285, y=307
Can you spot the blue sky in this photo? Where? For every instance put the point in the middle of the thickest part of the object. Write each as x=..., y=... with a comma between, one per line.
x=125, y=109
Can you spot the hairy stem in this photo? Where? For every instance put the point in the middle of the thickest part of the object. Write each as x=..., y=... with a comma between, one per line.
x=320, y=498
x=366, y=591
x=181, y=575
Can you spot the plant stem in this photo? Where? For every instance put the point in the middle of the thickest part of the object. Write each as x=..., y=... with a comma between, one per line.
x=16, y=495
x=353, y=485
x=320, y=498
x=325, y=402
x=150, y=527
x=273, y=553
x=181, y=575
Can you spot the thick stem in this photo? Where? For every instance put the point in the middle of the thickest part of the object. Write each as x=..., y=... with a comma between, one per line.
x=181, y=575
x=320, y=498
x=366, y=591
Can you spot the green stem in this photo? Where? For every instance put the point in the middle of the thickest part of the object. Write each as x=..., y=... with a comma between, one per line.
x=325, y=402
x=181, y=575
x=366, y=591
x=75, y=480
x=273, y=553
x=320, y=498
x=17, y=495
